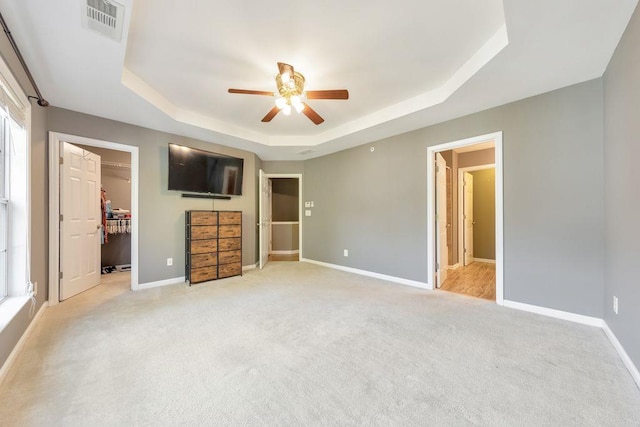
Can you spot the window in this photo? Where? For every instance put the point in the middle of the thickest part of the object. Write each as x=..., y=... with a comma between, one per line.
x=14, y=188
x=4, y=211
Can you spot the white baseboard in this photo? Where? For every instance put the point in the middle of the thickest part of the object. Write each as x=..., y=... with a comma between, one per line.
x=250, y=266
x=400, y=280
x=490, y=261
x=454, y=266
x=8, y=364
x=291, y=252
x=165, y=282
x=633, y=370
x=558, y=314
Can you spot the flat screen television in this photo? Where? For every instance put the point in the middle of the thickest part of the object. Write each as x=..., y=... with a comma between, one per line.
x=201, y=171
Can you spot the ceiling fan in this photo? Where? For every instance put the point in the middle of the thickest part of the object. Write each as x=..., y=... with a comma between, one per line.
x=291, y=95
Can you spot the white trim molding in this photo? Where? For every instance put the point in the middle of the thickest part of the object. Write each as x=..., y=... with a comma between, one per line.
x=488, y=261
x=628, y=363
x=8, y=364
x=454, y=266
x=250, y=266
x=291, y=252
x=399, y=280
x=165, y=282
x=558, y=314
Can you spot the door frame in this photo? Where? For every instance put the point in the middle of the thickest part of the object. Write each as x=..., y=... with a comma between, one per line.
x=496, y=137
x=300, y=203
x=55, y=138
x=461, y=172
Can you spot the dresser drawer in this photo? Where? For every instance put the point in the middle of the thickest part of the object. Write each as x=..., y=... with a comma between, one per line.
x=229, y=270
x=204, y=218
x=226, y=218
x=229, y=244
x=229, y=257
x=230, y=231
x=204, y=232
x=203, y=246
x=203, y=274
x=204, y=260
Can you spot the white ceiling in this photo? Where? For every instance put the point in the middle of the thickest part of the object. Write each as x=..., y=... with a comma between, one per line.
x=406, y=64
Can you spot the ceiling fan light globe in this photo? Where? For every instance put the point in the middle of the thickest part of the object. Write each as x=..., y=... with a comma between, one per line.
x=287, y=110
x=280, y=102
x=299, y=107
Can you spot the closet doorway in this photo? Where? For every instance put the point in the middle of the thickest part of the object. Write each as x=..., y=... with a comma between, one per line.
x=285, y=209
x=118, y=232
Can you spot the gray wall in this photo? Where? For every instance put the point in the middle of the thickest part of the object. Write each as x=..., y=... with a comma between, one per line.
x=285, y=237
x=284, y=200
x=476, y=158
x=10, y=335
x=621, y=177
x=282, y=166
x=162, y=211
x=374, y=203
x=484, y=213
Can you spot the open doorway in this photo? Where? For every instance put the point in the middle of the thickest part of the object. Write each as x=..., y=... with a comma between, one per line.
x=120, y=166
x=465, y=217
x=280, y=217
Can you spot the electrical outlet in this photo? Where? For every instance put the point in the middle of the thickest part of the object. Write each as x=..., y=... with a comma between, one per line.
x=615, y=304
x=169, y=262
x=346, y=252
x=307, y=204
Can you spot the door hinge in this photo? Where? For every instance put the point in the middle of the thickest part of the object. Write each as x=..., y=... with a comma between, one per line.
x=437, y=266
x=61, y=217
x=62, y=160
x=61, y=275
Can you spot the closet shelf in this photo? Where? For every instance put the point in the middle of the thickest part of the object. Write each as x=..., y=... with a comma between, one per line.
x=115, y=165
x=118, y=226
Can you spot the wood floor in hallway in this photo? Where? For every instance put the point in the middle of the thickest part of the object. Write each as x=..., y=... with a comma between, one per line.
x=284, y=257
x=477, y=279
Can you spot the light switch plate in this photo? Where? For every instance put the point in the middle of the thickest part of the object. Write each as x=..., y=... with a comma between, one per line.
x=307, y=204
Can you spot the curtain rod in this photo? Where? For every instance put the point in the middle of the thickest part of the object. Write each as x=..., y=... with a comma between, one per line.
x=41, y=101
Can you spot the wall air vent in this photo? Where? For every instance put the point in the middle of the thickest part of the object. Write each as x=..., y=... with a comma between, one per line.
x=103, y=16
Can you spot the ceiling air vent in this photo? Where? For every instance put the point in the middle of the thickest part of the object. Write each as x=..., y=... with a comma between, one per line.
x=306, y=151
x=104, y=16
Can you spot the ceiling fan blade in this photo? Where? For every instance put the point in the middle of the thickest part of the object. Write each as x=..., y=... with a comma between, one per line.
x=285, y=68
x=328, y=94
x=311, y=113
x=271, y=114
x=251, y=92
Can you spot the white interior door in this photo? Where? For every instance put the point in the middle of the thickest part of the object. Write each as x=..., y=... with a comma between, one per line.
x=264, y=225
x=442, y=252
x=81, y=225
x=468, y=218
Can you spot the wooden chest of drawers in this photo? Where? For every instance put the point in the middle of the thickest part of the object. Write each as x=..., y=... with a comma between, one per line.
x=213, y=245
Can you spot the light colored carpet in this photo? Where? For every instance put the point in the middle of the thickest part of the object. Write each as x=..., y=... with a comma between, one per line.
x=299, y=344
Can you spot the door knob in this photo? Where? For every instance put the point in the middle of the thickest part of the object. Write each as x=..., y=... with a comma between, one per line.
x=98, y=227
